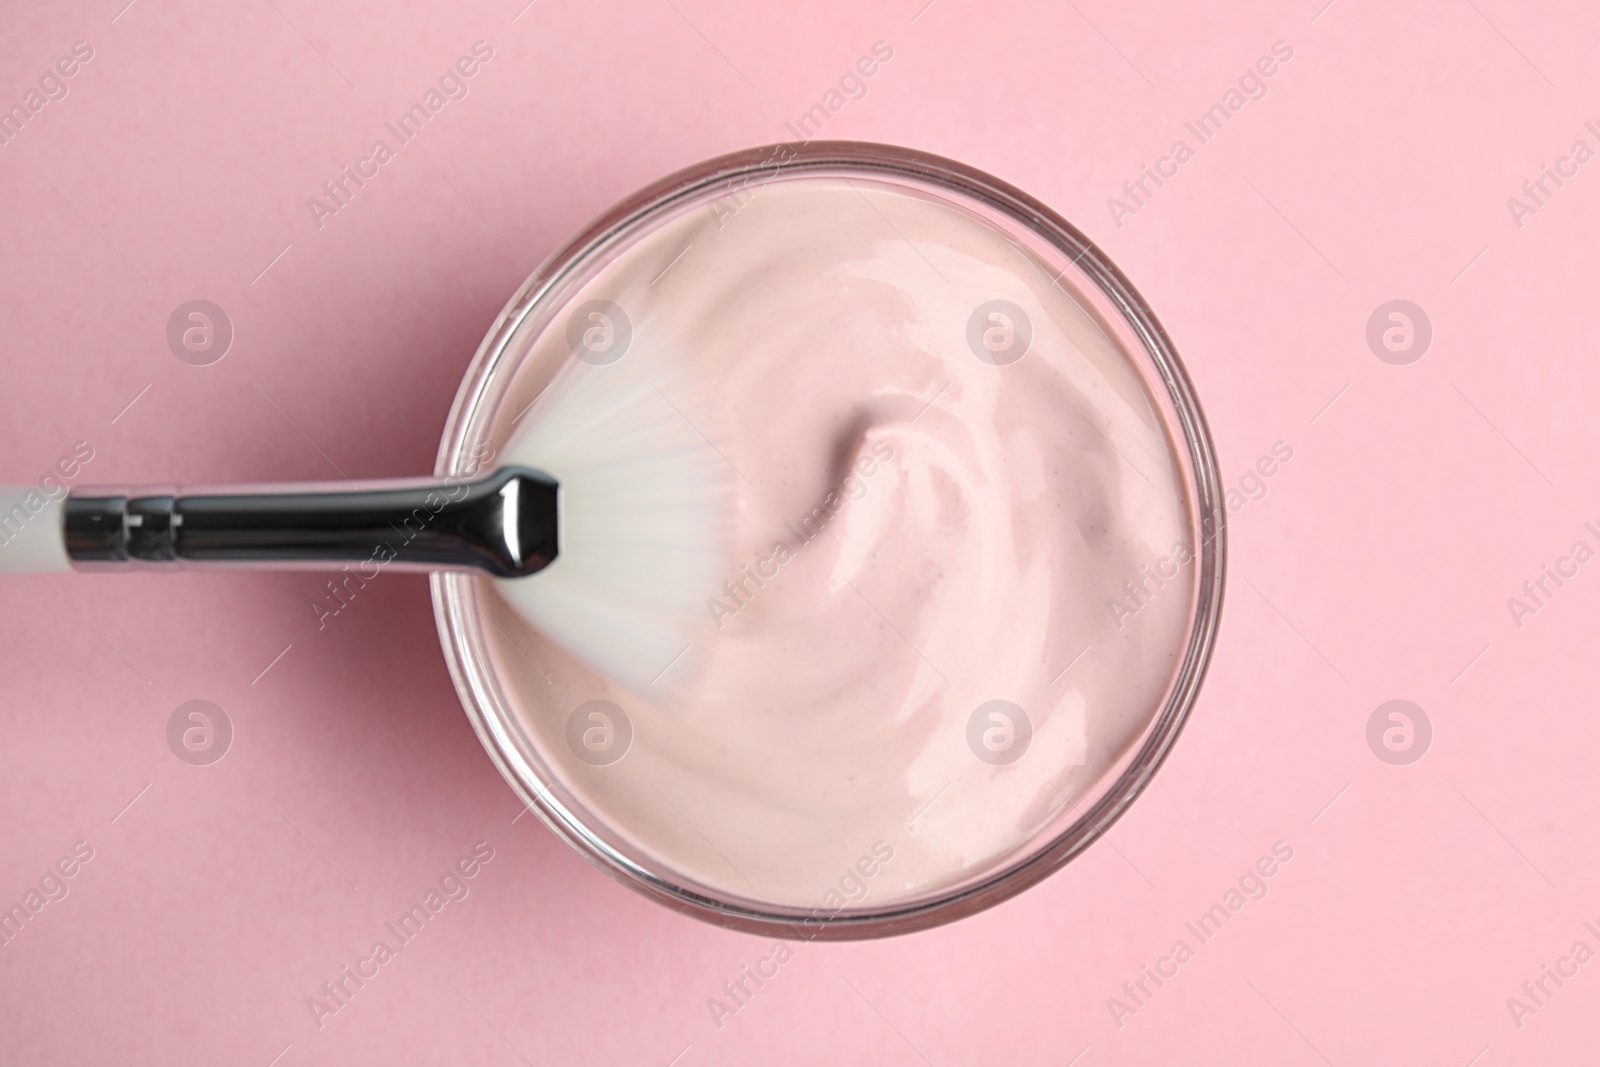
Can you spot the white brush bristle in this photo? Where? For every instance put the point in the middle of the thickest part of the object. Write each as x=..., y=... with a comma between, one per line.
x=645, y=517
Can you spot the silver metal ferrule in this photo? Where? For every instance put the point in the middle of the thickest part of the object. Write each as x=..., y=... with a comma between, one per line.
x=504, y=524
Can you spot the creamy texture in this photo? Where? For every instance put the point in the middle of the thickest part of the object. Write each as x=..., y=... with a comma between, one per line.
x=919, y=532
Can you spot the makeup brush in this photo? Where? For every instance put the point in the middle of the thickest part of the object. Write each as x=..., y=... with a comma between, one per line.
x=606, y=528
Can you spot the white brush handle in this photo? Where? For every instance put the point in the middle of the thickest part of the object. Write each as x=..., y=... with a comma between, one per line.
x=30, y=531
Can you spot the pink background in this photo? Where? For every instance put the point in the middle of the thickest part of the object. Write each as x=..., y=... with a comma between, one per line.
x=1376, y=567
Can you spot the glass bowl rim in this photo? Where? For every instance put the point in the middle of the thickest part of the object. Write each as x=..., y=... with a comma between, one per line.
x=455, y=595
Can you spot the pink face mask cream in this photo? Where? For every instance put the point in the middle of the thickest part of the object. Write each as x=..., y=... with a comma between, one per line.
x=975, y=564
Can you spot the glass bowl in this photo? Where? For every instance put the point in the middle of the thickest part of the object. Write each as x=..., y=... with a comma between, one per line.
x=500, y=383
